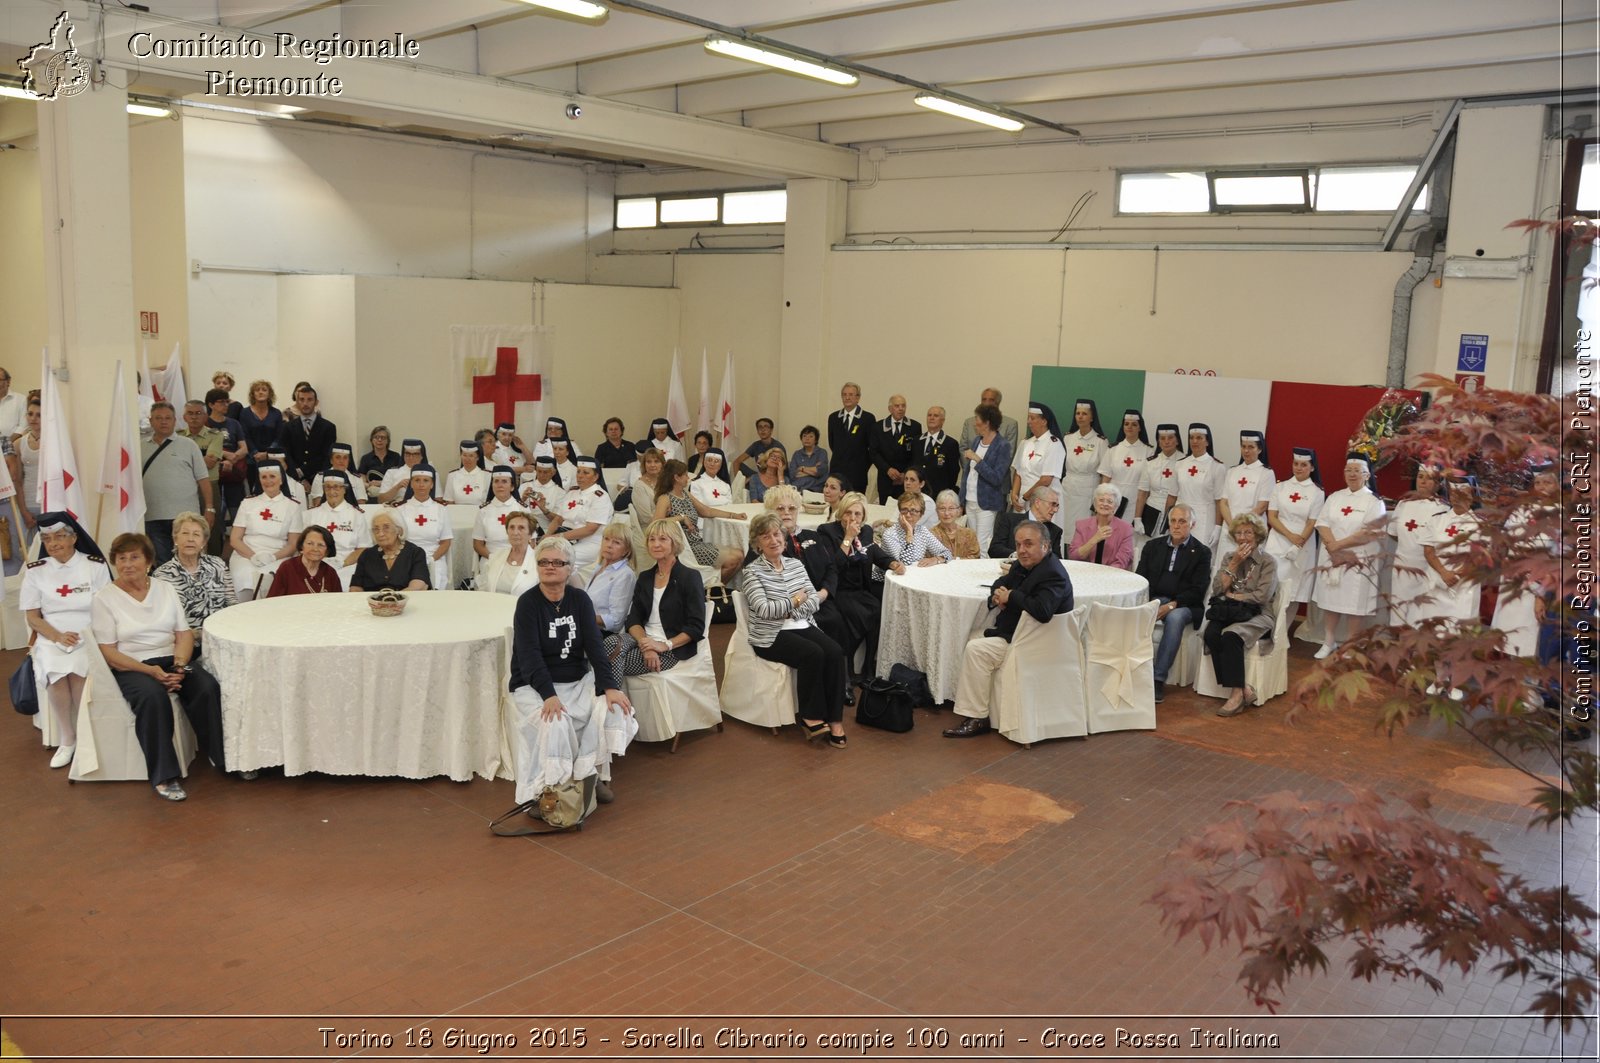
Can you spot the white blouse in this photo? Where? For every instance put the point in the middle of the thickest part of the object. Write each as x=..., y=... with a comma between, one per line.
x=268, y=522
x=142, y=630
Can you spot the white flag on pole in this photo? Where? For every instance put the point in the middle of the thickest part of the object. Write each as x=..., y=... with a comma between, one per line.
x=59, y=488
x=147, y=394
x=169, y=382
x=117, y=472
x=727, y=422
x=702, y=416
x=677, y=405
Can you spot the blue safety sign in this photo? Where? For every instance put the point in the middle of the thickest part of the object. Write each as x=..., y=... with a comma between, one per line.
x=1474, y=356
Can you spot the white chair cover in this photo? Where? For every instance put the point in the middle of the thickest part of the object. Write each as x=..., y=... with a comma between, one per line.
x=1120, y=677
x=108, y=749
x=1186, y=665
x=1039, y=689
x=753, y=690
x=684, y=698
x=1269, y=674
x=741, y=493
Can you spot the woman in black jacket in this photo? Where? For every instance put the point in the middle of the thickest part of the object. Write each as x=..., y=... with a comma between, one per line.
x=860, y=563
x=668, y=615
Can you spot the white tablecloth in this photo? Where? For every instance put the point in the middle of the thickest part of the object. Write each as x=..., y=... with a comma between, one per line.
x=463, y=559
x=929, y=612
x=315, y=682
x=721, y=531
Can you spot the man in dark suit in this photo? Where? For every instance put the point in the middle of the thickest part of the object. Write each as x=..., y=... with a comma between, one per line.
x=1178, y=567
x=937, y=455
x=1038, y=585
x=893, y=449
x=1042, y=509
x=850, y=433
x=307, y=437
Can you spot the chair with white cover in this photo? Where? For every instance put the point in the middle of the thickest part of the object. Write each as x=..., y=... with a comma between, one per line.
x=1268, y=673
x=108, y=749
x=683, y=698
x=741, y=493
x=1186, y=665
x=1039, y=688
x=756, y=691
x=1120, y=677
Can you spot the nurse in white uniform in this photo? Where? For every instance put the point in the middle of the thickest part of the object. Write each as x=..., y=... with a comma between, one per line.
x=1352, y=522
x=340, y=458
x=542, y=495
x=662, y=439
x=468, y=485
x=1123, y=463
x=1246, y=488
x=291, y=487
x=1519, y=614
x=57, y=599
x=506, y=451
x=489, y=529
x=1447, y=548
x=397, y=480
x=1200, y=483
x=583, y=512
x=427, y=524
x=1084, y=449
x=1408, y=527
x=265, y=531
x=555, y=431
x=1292, y=515
x=713, y=487
x=344, y=520
x=1039, y=458
x=1158, y=479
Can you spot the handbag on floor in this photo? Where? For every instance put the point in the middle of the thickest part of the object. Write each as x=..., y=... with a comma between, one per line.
x=562, y=807
x=915, y=682
x=720, y=599
x=24, y=688
x=886, y=705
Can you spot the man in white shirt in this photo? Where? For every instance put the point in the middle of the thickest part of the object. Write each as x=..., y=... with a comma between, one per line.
x=13, y=407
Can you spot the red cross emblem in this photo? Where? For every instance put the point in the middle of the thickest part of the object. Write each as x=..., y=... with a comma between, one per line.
x=1077, y=450
x=1194, y=470
x=573, y=504
x=63, y=590
x=1128, y=462
x=1166, y=474
x=422, y=519
x=466, y=489
x=1295, y=497
x=715, y=493
x=332, y=527
x=505, y=387
x=1244, y=481
x=503, y=517
x=266, y=514
x=1451, y=531
x=1347, y=511
x=1411, y=525
x=1030, y=455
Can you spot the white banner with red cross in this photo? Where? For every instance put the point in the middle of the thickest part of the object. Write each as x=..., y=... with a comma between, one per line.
x=501, y=377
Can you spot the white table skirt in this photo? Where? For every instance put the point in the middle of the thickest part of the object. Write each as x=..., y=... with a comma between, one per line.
x=721, y=531
x=315, y=682
x=929, y=612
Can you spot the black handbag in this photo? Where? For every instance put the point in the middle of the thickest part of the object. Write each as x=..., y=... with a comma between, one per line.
x=1227, y=610
x=886, y=705
x=915, y=683
x=24, y=689
x=720, y=599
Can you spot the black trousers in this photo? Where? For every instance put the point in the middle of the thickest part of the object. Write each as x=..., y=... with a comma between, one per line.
x=153, y=723
x=820, y=667
x=1227, y=654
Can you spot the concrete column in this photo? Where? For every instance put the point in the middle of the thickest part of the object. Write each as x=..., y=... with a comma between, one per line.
x=88, y=265
x=1497, y=179
x=815, y=223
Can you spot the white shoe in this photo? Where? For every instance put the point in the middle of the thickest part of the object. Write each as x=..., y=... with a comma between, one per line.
x=1326, y=651
x=63, y=756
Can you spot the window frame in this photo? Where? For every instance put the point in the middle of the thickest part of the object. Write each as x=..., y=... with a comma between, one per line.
x=1309, y=175
x=720, y=195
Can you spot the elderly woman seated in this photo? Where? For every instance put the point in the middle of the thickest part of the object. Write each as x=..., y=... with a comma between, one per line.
x=511, y=569
x=667, y=616
x=1240, y=611
x=609, y=581
x=201, y=580
x=1103, y=538
x=391, y=563
x=145, y=639
x=564, y=740
x=907, y=542
x=960, y=540
x=312, y=572
x=57, y=598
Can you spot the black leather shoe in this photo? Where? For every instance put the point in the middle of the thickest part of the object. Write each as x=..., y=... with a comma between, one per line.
x=1161, y=692
x=849, y=695
x=968, y=727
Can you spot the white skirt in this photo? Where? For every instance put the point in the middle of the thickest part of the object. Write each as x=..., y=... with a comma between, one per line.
x=51, y=662
x=571, y=747
x=1352, y=591
x=1514, y=615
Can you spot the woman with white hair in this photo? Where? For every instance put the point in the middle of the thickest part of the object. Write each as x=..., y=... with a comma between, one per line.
x=427, y=523
x=58, y=601
x=1103, y=538
x=390, y=563
x=265, y=531
x=570, y=717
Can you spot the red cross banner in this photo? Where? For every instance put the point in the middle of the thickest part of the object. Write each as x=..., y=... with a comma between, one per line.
x=501, y=376
x=120, y=472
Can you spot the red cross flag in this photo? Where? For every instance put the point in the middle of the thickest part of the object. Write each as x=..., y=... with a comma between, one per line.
x=59, y=487
x=120, y=472
x=726, y=421
x=500, y=376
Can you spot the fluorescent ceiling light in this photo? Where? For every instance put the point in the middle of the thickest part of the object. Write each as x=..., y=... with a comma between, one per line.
x=16, y=92
x=149, y=110
x=789, y=64
x=967, y=111
x=575, y=8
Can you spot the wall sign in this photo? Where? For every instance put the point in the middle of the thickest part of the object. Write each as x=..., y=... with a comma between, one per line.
x=1474, y=353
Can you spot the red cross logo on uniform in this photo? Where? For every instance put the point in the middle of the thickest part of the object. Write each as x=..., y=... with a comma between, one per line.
x=1244, y=481
x=503, y=517
x=715, y=493
x=1166, y=473
x=1411, y=525
x=1077, y=450
x=63, y=590
x=1194, y=470
x=1347, y=511
x=466, y=489
x=573, y=504
x=1295, y=497
x=1451, y=531
x=1030, y=455
x=266, y=514
x=1128, y=462
x=332, y=527
x=422, y=519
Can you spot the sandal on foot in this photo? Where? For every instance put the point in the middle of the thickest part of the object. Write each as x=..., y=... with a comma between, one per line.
x=171, y=791
x=813, y=731
x=837, y=741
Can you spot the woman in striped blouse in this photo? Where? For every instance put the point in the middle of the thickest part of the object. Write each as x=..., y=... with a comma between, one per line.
x=782, y=605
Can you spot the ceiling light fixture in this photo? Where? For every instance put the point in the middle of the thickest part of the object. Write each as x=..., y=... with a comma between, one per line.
x=967, y=111
x=149, y=110
x=576, y=8
x=787, y=62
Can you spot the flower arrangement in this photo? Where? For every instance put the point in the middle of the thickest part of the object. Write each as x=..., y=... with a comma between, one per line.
x=1383, y=422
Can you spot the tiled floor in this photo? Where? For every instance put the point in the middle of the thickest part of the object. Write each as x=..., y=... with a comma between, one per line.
x=893, y=886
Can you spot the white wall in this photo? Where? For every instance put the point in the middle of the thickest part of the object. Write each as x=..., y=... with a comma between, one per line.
x=24, y=328
x=160, y=240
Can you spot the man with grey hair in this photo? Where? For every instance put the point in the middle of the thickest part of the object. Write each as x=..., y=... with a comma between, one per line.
x=937, y=455
x=1178, y=568
x=893, y=446
x=850, y=433
x=1037, y=584
x=175, y=474
x=1042, y=509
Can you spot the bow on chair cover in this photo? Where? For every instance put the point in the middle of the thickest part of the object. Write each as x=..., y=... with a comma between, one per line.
x=1117, y=644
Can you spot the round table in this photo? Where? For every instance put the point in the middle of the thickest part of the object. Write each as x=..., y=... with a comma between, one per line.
x=722, y=531
x=315, y=682
x=928, y=613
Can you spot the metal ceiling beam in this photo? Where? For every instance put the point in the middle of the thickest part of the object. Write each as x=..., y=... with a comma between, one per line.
x=1424, y=174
